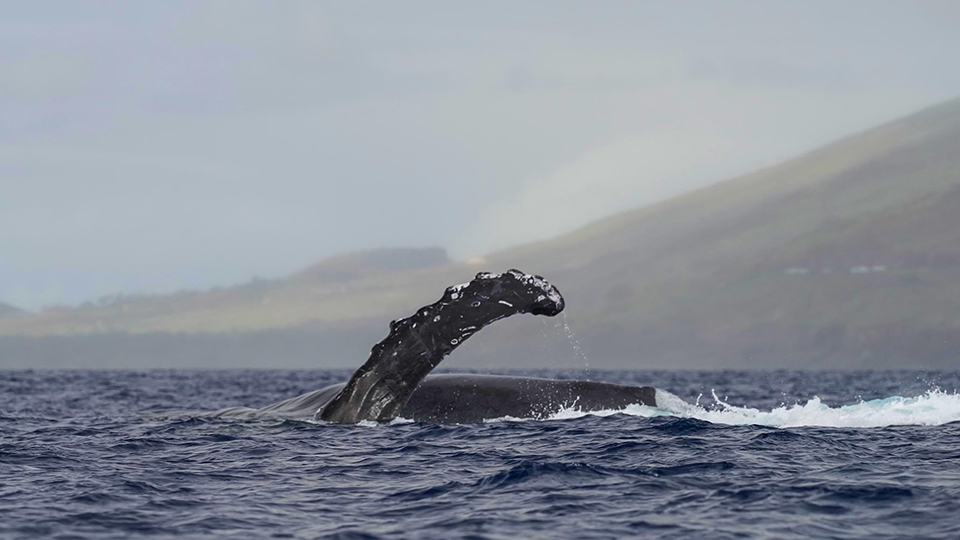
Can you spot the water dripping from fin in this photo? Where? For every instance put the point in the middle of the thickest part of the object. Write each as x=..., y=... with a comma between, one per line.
x=578, y=353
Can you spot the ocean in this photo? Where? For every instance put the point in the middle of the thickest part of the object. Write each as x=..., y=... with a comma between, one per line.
x=745, y=454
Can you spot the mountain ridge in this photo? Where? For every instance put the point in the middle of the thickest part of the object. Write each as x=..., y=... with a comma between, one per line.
x=845, y=256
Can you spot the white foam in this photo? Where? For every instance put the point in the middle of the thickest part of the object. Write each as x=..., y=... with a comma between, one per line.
x=931, y=409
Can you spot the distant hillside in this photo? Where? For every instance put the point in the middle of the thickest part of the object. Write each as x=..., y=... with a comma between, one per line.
x=344, y=288
x=6, y=310
x=364, y=264
x=848, y=256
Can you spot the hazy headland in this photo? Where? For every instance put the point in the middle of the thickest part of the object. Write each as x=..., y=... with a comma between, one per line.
x=845, y=257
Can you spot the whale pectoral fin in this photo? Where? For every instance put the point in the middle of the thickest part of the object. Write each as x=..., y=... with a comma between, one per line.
x=381, y=386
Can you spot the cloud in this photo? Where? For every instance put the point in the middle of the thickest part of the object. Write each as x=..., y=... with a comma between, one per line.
x=45, y=75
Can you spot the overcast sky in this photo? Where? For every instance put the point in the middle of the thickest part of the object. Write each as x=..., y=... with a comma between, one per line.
x=151, y=147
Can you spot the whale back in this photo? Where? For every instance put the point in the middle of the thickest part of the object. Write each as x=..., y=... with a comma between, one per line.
x=467, y=398
x=463, y=398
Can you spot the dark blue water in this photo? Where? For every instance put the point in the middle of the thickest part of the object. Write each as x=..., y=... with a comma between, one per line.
x=81, y=456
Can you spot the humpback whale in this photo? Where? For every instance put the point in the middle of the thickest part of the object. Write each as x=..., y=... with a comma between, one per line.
x=395, y=381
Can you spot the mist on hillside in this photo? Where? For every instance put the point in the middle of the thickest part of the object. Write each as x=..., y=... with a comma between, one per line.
x=237, y=184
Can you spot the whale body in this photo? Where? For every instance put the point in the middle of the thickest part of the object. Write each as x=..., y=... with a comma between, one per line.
x=395, y=382
x=467, y=398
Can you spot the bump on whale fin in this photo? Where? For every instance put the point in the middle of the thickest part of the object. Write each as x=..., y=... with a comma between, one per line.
x=417, y=344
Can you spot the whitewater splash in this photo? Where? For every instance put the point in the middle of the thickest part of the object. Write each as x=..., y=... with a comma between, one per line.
x=931, y=409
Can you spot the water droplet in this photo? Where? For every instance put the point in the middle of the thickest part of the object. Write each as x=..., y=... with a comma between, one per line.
x=437, y=318
x=578, y=353
x=475, y=303
x=455, y=296
x=453, y=341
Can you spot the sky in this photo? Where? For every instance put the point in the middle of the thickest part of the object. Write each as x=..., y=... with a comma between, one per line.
x=149, y=147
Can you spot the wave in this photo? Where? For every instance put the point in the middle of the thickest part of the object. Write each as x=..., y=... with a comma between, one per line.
x=933, y=408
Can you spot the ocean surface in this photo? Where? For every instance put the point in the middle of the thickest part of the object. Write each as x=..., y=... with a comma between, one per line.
x=109, y=454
